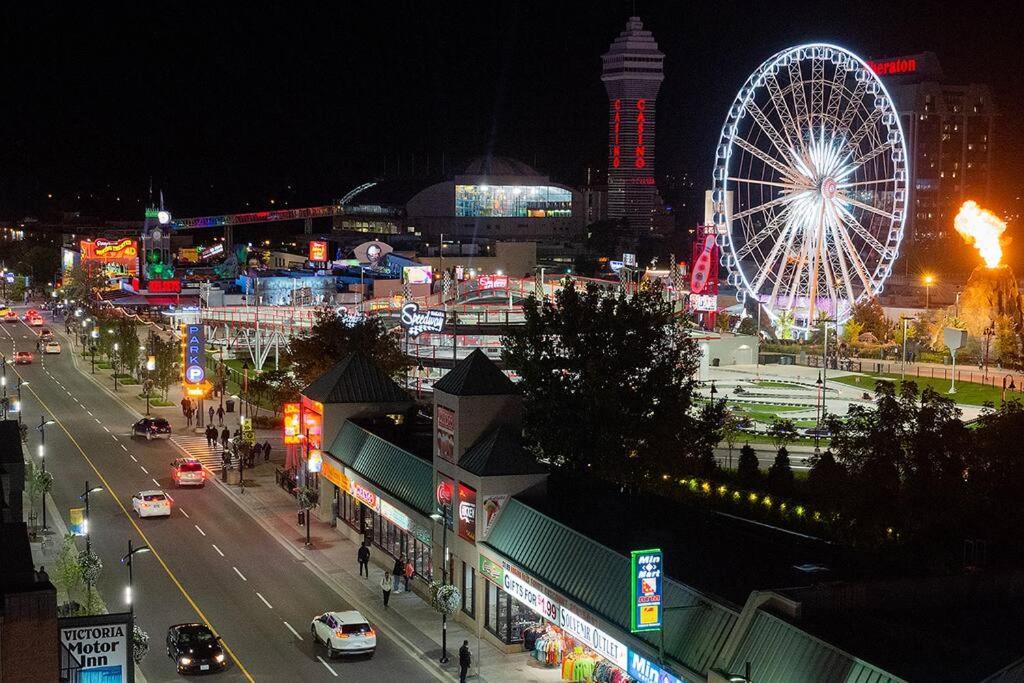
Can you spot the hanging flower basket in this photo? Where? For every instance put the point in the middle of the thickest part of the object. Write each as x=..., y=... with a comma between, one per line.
x=444, y=598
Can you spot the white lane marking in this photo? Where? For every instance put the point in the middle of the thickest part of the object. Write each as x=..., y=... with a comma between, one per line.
x=105, y=429
x=184, y=513
x=289, y=627
x=124, y=448
x=133, y=457
x=218, y=550
x=155, y=482
x=258, y=595
x=97, y=420
x=90, y=414
x=333, y=672
x=144, y=469
x=114, y=437
x=239, y=573
x=199, y=530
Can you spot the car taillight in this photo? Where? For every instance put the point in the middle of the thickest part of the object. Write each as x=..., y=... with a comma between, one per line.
x=339, y=634
x=369, y=633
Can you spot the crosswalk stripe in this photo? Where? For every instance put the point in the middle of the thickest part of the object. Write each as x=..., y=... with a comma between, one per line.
x=198, y=448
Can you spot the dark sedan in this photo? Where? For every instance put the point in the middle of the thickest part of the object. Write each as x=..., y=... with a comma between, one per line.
x=195, y=649
x=152, y=428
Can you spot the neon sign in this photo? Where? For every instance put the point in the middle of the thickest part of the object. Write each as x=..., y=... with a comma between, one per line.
x=893, y=67
x=291, y=423
x=195, y=360
x=106, y=250
x=616, y=160
x=416, y=321
x=641, y=106
x=317, y=251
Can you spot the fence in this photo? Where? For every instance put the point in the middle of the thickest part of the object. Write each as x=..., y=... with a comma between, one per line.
x=994, y=376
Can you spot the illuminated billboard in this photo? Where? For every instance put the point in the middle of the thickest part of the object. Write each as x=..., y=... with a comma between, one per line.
x=512, y=201
x=417, y=275
x=115, y=258
x=317, y=251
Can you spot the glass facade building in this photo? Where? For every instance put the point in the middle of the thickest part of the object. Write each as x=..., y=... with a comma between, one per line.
x=512, y=201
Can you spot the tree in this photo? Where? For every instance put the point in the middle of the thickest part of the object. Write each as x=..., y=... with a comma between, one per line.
x=331, y=339
x=826, y=479
x=730, y=430
x=871, y=317
x=784, y=324
x=748, y=468
x=67, y=572
x=167, y=356
x=38, y=483
x=852, y=330
x=608, y=382
x=80, y=284
x=140, y=644
x=127, y=337
x=782, y=432
x=780, y=474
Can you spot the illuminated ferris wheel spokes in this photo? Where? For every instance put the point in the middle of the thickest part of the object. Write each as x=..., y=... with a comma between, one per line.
x=810, y=184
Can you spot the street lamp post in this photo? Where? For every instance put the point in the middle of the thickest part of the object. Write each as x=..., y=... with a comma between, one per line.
x=903, y=371
x=929, y=280
x=817, y=414
x=127, y=560
x=94, y=334
x=116, y=349
x=85, y=497
x=150, y=367
x=19, y=411
x=305, y=486
x=445, y=512
x=42, y=453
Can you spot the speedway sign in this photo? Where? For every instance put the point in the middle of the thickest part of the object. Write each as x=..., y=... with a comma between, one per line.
x=417, y=322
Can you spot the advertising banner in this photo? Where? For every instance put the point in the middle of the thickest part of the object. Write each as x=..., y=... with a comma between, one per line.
x=291, y=424
x=646, y=588
x=417, y=275
x=467, y=512
x=76, y=521
x=318, y=251
x=164, y=286
x=446, y=433
x=492, y=282
x=643, y=670
x=334, y=474
x=444, y=494
x=97, y=648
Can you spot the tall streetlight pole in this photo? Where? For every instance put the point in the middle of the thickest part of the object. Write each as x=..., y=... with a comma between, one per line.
x=903, y=371
x=94, y=334
x=42, y=453
x=18, y=407
x=127, y=560
x=150, y=367
x=116, y=349
x=445, y=512
x=929, y=280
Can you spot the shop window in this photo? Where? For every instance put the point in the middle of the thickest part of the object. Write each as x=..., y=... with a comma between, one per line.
x=468, y=590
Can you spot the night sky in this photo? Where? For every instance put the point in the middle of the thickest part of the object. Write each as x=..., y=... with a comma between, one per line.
x=227, y=108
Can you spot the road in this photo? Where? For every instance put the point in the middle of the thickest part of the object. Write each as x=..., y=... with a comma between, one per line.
x=210, y=562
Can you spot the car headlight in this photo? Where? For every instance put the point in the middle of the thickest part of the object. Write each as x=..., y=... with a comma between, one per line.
x=219, y=657
x=185, y=661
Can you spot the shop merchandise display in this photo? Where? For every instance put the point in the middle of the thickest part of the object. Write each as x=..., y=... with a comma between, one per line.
x=553, y=648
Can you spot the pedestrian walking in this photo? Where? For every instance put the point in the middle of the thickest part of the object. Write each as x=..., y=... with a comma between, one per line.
x=409, y=571
x=210, y=413
x=396, y=574
x=385, y=587
x=266, y=451
x=184, y=406
x=220, y=415
x=209, y=438
x=188, y=415
x=364, y=559
x=465, y=659
x=225, y=437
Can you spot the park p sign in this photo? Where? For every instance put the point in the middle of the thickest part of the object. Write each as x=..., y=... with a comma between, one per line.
x=646, y=590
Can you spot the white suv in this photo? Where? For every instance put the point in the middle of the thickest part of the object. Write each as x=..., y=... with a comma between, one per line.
x=344, y=633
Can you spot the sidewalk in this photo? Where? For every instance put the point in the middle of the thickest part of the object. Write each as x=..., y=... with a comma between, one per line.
x=410, y=620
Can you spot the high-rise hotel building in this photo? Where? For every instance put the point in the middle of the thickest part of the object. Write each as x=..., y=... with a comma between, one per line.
x=632, y=76
x=949, y=132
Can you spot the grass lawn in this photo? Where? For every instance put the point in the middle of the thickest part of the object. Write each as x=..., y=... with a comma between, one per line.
x=971, y=393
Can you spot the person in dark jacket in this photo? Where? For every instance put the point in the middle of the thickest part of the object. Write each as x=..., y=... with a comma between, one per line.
x=225, y=436
x=396, y=575
x=364, y=560
x=266, y=451
x=220, y=415
x=465, y=659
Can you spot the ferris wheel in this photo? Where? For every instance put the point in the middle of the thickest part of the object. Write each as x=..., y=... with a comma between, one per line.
x=810, y=186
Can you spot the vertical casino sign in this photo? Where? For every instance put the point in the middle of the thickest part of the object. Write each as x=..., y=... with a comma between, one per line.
x=193, y=357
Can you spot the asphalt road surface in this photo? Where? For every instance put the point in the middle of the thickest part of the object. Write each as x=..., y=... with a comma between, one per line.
x=210, y=562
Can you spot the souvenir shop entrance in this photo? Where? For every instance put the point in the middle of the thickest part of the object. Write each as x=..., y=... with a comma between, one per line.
x=522, y=617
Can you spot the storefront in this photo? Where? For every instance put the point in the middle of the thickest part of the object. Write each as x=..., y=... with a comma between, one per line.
x=367, y=512
x=521, y=613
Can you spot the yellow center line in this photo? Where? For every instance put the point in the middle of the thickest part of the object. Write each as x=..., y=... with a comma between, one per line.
x=152, y=547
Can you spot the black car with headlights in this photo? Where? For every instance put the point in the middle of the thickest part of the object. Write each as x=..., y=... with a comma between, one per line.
x=195, y=649
x=152, y=428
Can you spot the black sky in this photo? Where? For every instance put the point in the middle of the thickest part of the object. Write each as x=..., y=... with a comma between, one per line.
x=224, y=105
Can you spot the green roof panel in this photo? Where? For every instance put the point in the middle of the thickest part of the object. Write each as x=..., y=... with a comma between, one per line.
x=390, y=468
x=779, y=652
x=597, y=578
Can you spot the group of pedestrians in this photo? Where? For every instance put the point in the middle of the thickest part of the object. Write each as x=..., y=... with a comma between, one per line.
x=391, y=581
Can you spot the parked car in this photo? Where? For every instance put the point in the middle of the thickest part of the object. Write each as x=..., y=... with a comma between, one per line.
x=152, y=428
x=23, y=358
x=194, y=648
x=188, y=472
x=51, y=347
x=11, y=317
x=344, y=633
x=151, y=503
x=819, y=432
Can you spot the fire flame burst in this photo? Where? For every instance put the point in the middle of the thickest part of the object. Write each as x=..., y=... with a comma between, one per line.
x=983, y=229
